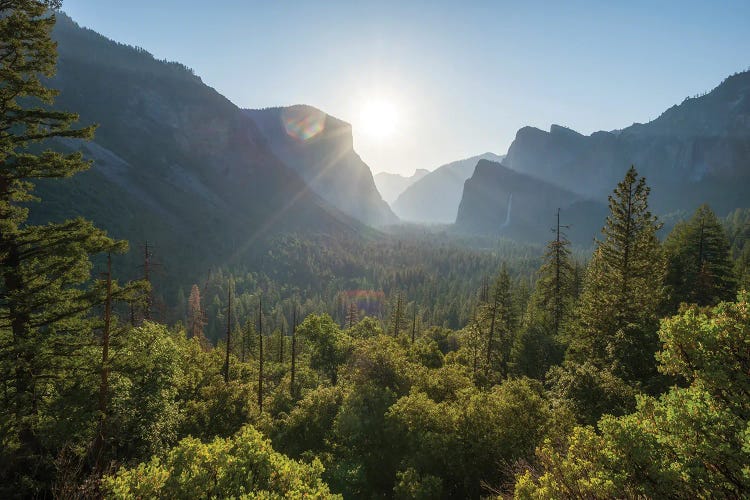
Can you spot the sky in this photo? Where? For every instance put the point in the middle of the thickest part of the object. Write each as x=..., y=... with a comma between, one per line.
x=427, y=83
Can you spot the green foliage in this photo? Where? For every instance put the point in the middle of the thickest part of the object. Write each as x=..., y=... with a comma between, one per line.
x=412, y=485
x=688, y=443
x=589, y=392
x=472, y=440
x=540, y=343
x=617, y=314
x=308, y=427
x=700, y=269
x=329, y=346
x=147, y=374
x=45, y=285
x=440, y=410
x=244, y=466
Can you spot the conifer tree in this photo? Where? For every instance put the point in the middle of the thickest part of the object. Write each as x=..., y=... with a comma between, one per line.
x=397, y=314
x=247, y=345
x=43, y=303
x=623, y=288
x=555, y=286
x=352, y=315
x=699, y=267
x=499, y=313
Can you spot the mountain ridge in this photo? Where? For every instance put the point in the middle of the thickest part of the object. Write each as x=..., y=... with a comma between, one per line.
x=320, y=148
x=175, y=163
x=693, y=152
x=436, y=196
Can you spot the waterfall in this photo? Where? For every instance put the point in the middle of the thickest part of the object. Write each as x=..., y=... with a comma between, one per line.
x=507, y=213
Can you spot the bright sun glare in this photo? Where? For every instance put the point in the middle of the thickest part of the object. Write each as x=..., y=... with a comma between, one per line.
x=379, y=118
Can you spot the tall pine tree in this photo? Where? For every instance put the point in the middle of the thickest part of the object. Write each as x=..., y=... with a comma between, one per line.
x=43, y=269
x=623, y=288
x=700, y=269
x=540, y=343
x=556, y=284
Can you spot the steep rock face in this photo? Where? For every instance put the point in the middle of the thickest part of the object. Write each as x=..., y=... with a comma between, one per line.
x=435, y=197
x=319, y=148
x=695, y=152
x=174, y=162
x=391, y=185
x=499, y=201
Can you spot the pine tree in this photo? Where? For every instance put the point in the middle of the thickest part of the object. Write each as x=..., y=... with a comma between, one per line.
x=499, y=313
x=353, y=315
x=397, y=314
x=623, y=288
x=699, y=267
x=247, y=344
x=555, y=286
x=742, y=269
x=43, y=269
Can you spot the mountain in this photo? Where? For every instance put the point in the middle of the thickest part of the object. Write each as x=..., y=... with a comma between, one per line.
x=320, y=149
x=174, y=162
x=392, y=185
x=694, y=152
x=499, y=201
x=435, y=197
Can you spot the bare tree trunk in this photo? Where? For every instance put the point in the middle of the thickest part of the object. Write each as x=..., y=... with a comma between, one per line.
x=104, y=370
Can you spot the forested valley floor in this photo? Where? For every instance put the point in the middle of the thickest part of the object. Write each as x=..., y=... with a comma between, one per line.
x=413, y=363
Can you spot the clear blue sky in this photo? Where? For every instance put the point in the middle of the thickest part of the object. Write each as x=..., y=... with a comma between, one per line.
x=461, y=77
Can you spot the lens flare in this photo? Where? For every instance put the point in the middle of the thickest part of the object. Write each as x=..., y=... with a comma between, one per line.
x=302, y=122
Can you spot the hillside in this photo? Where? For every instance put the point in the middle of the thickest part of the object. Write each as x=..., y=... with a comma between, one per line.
x=435, y=197
x=174, y=162
x=319, y=148
x=694, y=152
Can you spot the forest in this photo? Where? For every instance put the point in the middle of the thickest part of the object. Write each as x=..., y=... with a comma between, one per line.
x=397, y=365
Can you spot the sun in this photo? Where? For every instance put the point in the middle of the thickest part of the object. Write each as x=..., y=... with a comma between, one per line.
x=379, y=118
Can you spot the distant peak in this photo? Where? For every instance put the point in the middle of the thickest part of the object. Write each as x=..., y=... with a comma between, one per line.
x=560, y=129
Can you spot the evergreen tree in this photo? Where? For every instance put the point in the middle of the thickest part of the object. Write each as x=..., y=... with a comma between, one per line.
x=742, y=269
x=623, y=288
x=500, y=319
x=398, y=314
x=555, y=286
x=43, y=269
x=540, y=344
x=699, y=267
x=352, y=316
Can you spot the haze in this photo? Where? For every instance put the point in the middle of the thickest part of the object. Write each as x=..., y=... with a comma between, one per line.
x=456, y=80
